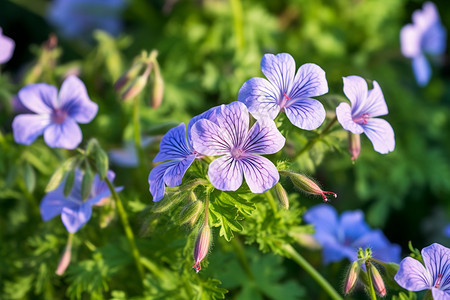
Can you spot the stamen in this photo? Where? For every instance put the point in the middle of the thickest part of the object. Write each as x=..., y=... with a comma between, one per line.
x=286, y=96
x=324, y=195
x=197, y=267
x=362, y=119
x=438, y=281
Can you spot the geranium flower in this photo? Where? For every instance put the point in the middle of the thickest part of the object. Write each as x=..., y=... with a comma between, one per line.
x=341, y=237
x=6, y=48
x=286, y=91
x=413, y=276
x=73, y=210
x=56, y=115
x=230, y=137
x=178, y=154
x=360, y=116
x=426, y=35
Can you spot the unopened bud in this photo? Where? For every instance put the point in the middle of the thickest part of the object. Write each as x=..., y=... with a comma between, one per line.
x=65, y=259
x=129, y=75
x=135, y=87
x=282, y=195
x=377, y=281
x=191, y=213
x=158, y=88
x=354, y=145
x=307, y=185
x=352, y=276
x=201, y=246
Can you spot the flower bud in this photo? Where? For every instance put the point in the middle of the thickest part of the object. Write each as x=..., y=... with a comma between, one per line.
x=377, y=280
x=307, y=185
x=129, y=75
x=135, y=87
x=191, y=213
x=65, y=259
x=158, y=88
x=352, y=277
x=282, y=195
x=354, y=145
x=201, y=246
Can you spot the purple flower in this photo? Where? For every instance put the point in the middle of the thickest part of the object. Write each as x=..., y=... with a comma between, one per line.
x=365, y=105
x=425, y=35
x=229, y=137
x=56, y=116
x=6, y=48
x=413, y=276
x=447, y=230
x=73, y=210
x=286, y=91
x=341, y=237
x=178, y=155
x=78, y=18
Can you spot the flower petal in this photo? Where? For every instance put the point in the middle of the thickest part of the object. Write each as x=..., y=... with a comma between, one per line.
x=381, y=135
x=412, y=275
x=305, y=113
x=375, y=105
x=334, y=251
x=381, y=247
x=261, y=98
x=279, y=69
x=260, y=173
x=440, y=294
x=421, y=69
x=410, y=37
x=53, y=203
x=353, y=225
x=173, y=145
x=26, y=128
x=233, y=121
x=66, y=135
x=344, y=116
x=210, y=114
x=225, y=173
x=75, y=101
x=174, y=174
x=156, y=180
x=437, y=260
x=323, y=217
x=263, y=138
x=435, y=39
x=74, y=218
x=40, y=98
x=424, y=18
x=355, y=88
x=310, y=81
x=6, y=48
x=209, y=139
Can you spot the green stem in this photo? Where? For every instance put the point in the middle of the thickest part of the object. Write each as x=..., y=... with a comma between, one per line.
x=317, y=138
x=239, y=250
x=372, y=293
x=272, y=202
x=236, y=7
x=294, y=255
x=127, y=228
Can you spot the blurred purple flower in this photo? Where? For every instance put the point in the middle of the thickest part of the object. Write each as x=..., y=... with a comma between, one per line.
x=426, y=35
x=73, y=210
x=6, y=48
x=230, y=137
x=56, y=116
x=447, y=231
x=286, y=91
x=341, y=237
x=78, y=18
x=178, y=154
x=365, y=105
x=413, y=276
x=126, y=156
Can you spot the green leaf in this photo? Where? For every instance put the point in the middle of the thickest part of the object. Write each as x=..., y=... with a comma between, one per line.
x=70, y=179
x=86, y=182
x=30, y=177
x=59, y=174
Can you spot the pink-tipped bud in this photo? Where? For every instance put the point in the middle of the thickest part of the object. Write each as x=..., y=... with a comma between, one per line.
x=282, y=195
x=377, y=281
x=135, y=87
x=65, y=259
x=352, y=277
x=307, y=185
x=354, y=145
x=201, y=246
x=129, y=75
x=158, y=88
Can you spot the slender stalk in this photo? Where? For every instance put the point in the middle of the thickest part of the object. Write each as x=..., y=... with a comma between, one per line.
x=127, y=228
x=372, y=293
x=272, y=202
x=294, y=255
x=318, y=138
x=239, y=250
x=236, y=7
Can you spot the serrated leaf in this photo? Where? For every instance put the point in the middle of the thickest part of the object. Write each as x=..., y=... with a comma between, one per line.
x=86, y=182
x=70, y=179
x=30, y=177
x=59, y=174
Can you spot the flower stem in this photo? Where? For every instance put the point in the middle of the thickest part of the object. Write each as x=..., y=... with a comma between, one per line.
x=317, y=138
x=240, y=253
x=294, y=255
x=236, y=7
x=127, y=228
x=271, y=200
x=372, y=293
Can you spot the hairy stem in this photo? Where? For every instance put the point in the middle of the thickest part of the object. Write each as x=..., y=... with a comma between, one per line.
x=317, y=138
x=272, y=202
x=294, y=255
x=372, y=293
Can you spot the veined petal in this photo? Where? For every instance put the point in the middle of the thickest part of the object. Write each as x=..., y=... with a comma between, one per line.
x=209, y=139
x=310, y=81
x=210, y=114
x=410, y=38
x=279, y=69
x=40, y=98
x=344, y=116
x=233, y=121
x=260, y=173
x=263, y=138
x=225, y=173
x=66, y=135
x=437, y=260
x=439, y=294
x=27, y=127
x=381, y=134
x=422, y=70
x=375, y=105
x=74, y=99
x=412, y=275
x=305, y=113
x=74, y=218
x=156, y=180
x=261, y=98
x=355, y=88
x=173, y=145
x=6, y=48
x=174, y=174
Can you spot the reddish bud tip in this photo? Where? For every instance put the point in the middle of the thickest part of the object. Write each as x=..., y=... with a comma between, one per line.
x=377, y=280
x=354, y=145
x=201, y=246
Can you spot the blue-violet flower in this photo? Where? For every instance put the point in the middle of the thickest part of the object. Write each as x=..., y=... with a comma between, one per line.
x=7, y=46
